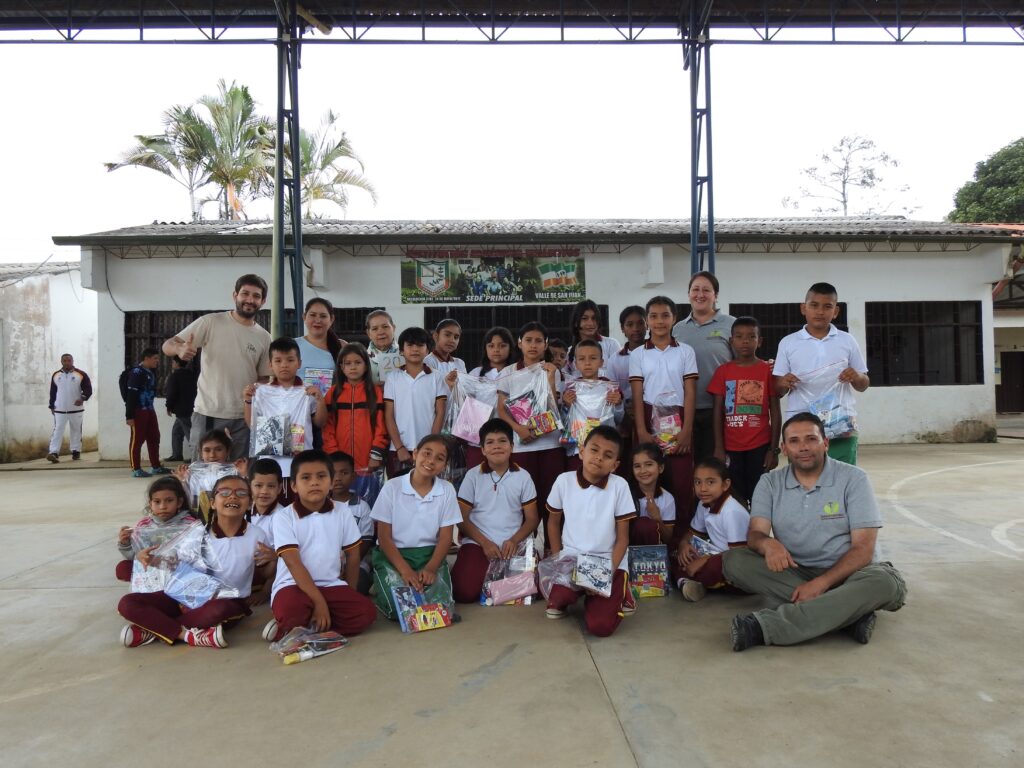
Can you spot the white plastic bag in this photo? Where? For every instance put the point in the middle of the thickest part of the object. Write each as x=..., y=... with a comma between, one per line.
x=530, y=400
x=202, y=476
x=471, y=403
x=831, y=400
x=511, y=581
x=184, y=567
x=589, y=409
x=281, y=421
x=555, y=570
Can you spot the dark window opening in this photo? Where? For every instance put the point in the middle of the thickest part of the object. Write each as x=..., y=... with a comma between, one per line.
x=778, y=321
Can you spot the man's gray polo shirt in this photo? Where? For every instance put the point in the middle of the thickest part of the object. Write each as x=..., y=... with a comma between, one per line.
x=815, y=525
x=710, y=342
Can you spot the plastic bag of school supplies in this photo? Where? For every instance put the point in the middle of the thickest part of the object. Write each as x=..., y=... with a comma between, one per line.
x=367, y=484
x=305, y=643
x=145, y=536
x=513, y=580
x=417, y=612
x=555, y=570
x=831, y=400
x=282, y=423
x=666, y=420
x=593, y=573
x=202, y=476
x=471, y=403
x=648, y=570
x=590, y=408
x=185, y=568
x=530, y=401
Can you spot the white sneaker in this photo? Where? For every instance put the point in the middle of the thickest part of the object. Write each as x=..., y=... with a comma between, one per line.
x=270, y=631
x=693, y=591
x=629, y=602
x=554, y=613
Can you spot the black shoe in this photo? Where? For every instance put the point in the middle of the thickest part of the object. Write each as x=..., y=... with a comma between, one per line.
x=75, y=455
x=746, y=631
x=169, y=459
x=862, y=629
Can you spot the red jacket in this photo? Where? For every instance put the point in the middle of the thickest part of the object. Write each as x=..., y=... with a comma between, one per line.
x=348, y=425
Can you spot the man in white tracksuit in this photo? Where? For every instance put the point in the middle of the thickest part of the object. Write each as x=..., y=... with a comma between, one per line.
x=69, y=389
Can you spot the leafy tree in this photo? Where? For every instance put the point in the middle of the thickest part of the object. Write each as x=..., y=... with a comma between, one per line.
x=177, y=153
x=853, y=165
x=323, y=175
x=997, y=193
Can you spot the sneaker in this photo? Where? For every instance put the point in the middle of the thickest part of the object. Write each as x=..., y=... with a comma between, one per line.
x=52, y=458
x=140, y=473
x=170, y=459
x=159, y=471
x=75, y=455
x=693, y=591
x=629, y=603
x=862, y=629
x=554, y=613
x=206, y=638
x=270, y=631
x=133, y=636
x=746, y=632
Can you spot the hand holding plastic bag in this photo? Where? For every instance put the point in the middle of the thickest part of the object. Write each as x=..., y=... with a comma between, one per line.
x=831, y=400
x=471, y=403
x=185, y=568
x=666, y=421
x=590, y=408
x=530, y=402
x=281, y=421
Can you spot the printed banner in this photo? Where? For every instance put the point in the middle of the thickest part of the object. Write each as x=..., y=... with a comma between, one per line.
x=505, y=276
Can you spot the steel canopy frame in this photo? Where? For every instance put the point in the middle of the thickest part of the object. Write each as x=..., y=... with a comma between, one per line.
x=687, y=23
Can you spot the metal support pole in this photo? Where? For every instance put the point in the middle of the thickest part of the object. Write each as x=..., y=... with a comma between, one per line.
x=286, y=243
x=702, y=220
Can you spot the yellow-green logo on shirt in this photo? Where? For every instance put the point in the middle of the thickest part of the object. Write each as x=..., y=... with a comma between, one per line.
x=831, y=508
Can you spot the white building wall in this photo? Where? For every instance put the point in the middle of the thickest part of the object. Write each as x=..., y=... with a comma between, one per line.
x=887, y=414
x=42, y=317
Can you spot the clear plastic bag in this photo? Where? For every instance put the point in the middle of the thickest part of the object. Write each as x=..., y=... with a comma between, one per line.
x=531, y=402
x=147, y=536
x=471, y=403
x=589, y=409
x=555, y=570
x=455, y=470
x=367, y=484
x=282, y=425
x=512, y=581
x=593, y=573
x=666, y=420
x=202, y=476
x=418, y=612
x=305, y=643
x=185, y=566
x=831, y=400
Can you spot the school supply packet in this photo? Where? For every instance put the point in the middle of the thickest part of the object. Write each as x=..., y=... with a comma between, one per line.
x=648, y=570
x=147, y=536
x=531, y=402
x=321, y=378
x=305, y=643
x=666, y=420
x=185, y=568
x=593, y=573
x=588, y=410
x=831, y=400
x=555, y=570
x=513, y=580
x=416, y=614
x=703, y=547
x=282, y=422
x=202, y=476
x=471, y=403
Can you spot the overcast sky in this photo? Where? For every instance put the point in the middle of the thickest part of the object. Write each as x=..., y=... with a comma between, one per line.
x=505, y=132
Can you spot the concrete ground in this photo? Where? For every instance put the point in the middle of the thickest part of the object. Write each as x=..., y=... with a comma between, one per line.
x=940, y=684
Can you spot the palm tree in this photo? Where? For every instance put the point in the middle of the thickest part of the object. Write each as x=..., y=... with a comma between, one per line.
x=238, y=146
x=323, y=175
x=178, y=153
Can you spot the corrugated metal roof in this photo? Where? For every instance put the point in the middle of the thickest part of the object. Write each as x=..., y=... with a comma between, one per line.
x=327, y=231
x=12, y=273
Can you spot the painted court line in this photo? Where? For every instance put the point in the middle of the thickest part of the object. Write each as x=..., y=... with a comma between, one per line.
x=1000, y=534
x=894, y=500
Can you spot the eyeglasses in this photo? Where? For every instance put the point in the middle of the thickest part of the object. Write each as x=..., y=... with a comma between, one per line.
x=239, y=492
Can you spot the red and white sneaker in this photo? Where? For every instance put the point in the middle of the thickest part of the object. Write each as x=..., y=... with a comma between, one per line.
x=629, y=603
x=133, y=636
x=206, y=638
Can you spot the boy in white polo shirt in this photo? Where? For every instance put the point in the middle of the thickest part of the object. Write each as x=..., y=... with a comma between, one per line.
x=663, y=372
x=597, y=508
x=814, y=358
x=310, y=536
x=414, y=400
x=416, y=515
x=499, y=511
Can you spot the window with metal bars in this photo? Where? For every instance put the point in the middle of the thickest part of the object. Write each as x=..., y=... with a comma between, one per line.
x=920, y=343
x=477, y=320
x=350, y=323
x=779, y=320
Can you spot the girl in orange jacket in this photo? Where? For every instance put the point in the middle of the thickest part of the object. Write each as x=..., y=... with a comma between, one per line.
x=355, y=411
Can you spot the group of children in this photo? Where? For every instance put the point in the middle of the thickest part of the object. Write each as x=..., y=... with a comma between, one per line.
x=327, y=558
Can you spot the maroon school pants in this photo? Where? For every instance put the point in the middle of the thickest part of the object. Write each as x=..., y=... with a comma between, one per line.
x=165, y=617
x=123, y=570
x=544, y=468
x=474, y=456
x=601, y=614
x=146, y=430
x=678, y=480
x=643, y=531
x=351, y=613
x=468, y=573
